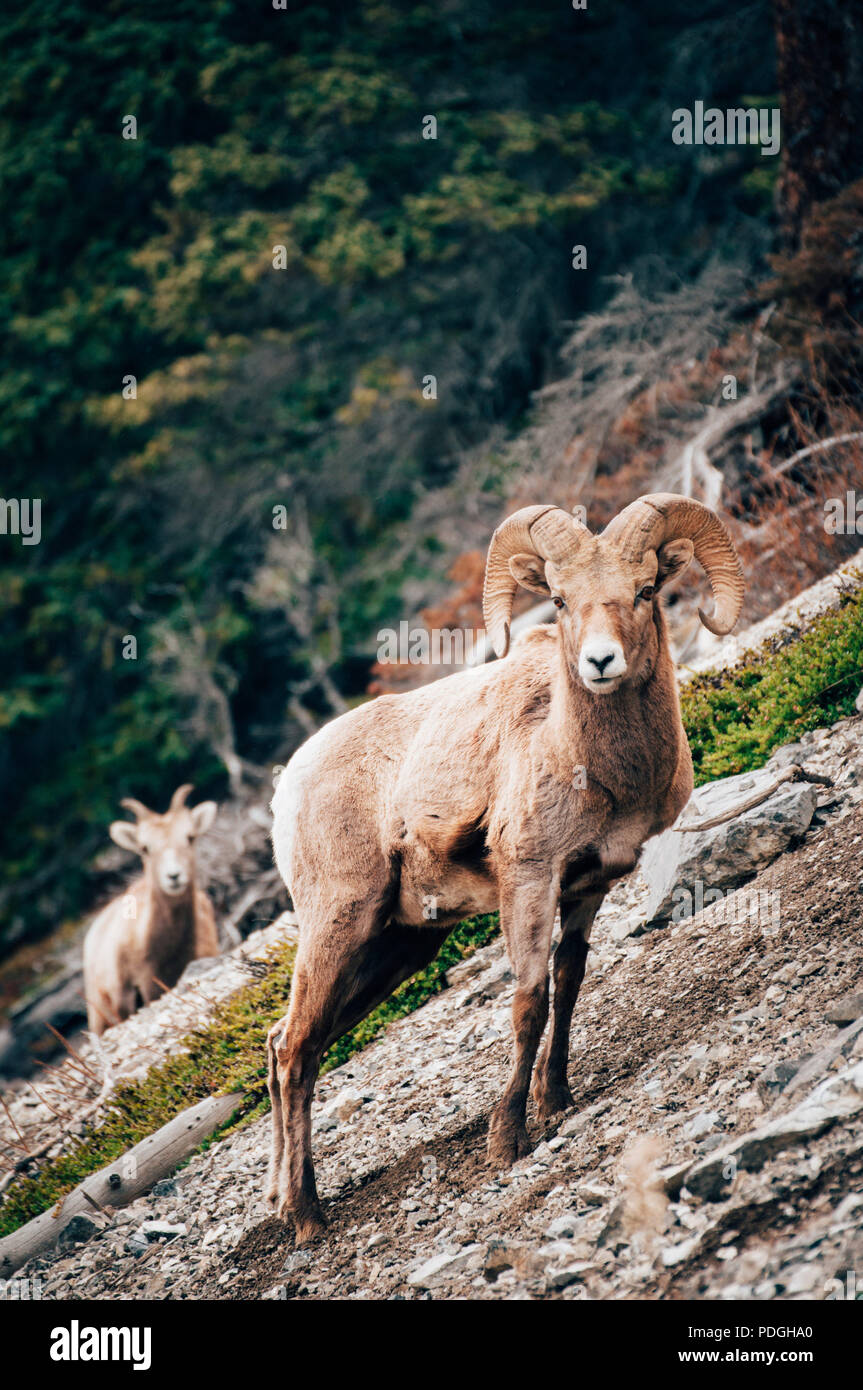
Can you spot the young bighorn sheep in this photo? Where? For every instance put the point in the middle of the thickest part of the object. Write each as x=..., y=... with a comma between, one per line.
x=144, y=940
x=522, y=784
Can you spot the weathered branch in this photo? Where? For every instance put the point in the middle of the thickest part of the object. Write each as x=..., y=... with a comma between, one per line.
x=856, y=436
x=788, y=774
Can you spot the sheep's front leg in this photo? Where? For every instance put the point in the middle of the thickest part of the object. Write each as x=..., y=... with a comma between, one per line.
x=550, y=1085
x=527, y=919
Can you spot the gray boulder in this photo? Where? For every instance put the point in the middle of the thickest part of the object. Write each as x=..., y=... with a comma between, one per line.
x=839, y=1097
x=682, y=867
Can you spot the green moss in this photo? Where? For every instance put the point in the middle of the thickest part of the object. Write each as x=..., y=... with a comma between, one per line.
x=734, y=719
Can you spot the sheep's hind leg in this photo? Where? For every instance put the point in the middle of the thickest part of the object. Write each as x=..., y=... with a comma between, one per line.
x=329, y=995
x=550, y=1088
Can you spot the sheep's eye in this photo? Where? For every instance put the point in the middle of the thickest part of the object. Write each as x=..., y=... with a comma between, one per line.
x=558, y=601
x=645, y=593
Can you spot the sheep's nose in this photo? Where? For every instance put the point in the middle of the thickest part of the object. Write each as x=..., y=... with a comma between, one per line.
x=600, y=662
x=174, y=878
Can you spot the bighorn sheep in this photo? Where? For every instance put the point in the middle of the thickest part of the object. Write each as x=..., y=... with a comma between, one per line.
x=144, y=940
x=522, y=784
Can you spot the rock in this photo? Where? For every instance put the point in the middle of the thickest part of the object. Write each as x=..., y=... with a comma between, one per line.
x=576, y=1124
x=681, y=869
x=612, y=1232
x=278, y=1292
x=713, y=1141
x=631, y=925
x=594, y=1194
x=672, y=1178
x=297, y=1261
x=493, y=982
x=570, y=1274
x=802, y=1279
x=163, y=1230
x=701, y=1124
x=750, y=1100
x=562, y=1226
x=841, y=1046
x=555, y=1250
x=675, y=1254
x=440, y=1268
x=773, y=1081
x=80, y=1228
x=810, y=967
x=846, y=1010
x=465, y=970
x=339, y=1107
x=756, y=1015
x=351, y=1102
x=788, y=754
x=837, y=1098
x=848, y=1205
x=502, y=1255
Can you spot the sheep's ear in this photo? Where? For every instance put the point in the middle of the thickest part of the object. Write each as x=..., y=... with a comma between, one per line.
x=125, y=834
x=673, y=559
x=203, y=816
x=529, y=570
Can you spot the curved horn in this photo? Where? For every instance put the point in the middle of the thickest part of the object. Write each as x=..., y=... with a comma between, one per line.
x=179, y=797
x=549, y=532
x=138, y=809
x=663, y=516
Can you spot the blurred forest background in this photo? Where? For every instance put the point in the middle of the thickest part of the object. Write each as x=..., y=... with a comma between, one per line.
x=301, y=387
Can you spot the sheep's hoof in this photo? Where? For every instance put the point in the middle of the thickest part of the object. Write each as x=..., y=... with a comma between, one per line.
x=272, y=1192
x=507, y=1143
x=551, y=1098
x=310, y=1227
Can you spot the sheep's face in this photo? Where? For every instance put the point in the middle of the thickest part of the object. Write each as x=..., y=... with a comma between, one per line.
x=166, y=844
x=606, y=606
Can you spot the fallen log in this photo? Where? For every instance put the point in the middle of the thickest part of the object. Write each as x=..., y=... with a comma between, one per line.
x=128, y=1177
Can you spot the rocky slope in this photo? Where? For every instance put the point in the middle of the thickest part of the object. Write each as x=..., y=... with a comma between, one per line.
x=716, y=1148
x=716, y=1145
